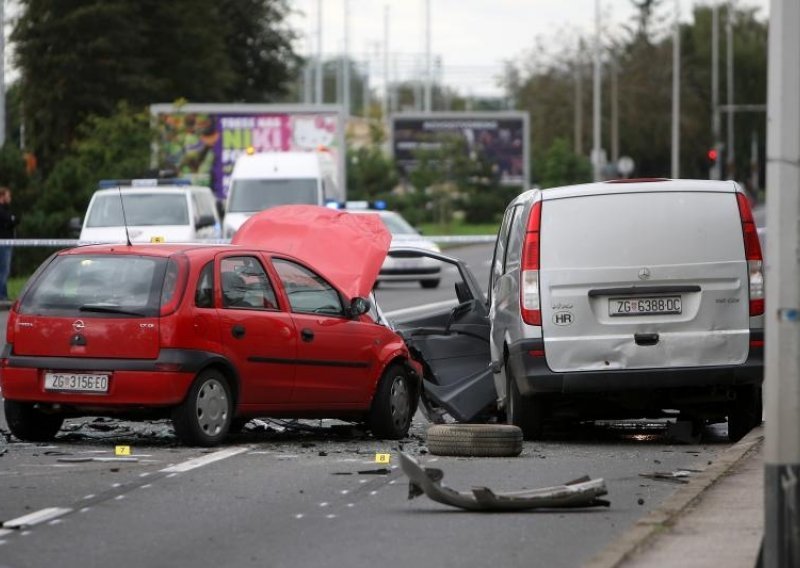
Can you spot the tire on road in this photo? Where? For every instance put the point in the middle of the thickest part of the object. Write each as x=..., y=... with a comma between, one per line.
x=475, y=440
x=30, y=424
x=393, y=405
x=745, y=412
x=527, y=413
x=203, y=419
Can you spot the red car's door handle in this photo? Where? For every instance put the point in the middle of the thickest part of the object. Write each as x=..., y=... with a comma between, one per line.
x=307, y=335
x=238, y=331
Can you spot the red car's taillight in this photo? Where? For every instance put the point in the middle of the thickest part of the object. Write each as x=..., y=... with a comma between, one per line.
x=752, y=252
x=174, y=282
x=529, y=273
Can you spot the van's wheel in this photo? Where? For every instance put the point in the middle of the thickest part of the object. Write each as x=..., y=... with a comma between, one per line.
x=433, y=283
x=394, y=404
x=745, y=412
x=477, y=440
x=30, y=424
x=526, y=413
x=203, y=419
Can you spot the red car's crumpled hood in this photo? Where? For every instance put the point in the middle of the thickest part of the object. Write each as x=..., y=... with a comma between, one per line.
x=347, y=249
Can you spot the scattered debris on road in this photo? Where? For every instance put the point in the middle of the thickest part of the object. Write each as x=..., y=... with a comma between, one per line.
x=582, y=492
x=679, y=476
x=98, y=459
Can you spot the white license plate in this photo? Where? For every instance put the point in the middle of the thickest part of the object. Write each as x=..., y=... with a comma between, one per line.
x=76, y=382
x=644, y=306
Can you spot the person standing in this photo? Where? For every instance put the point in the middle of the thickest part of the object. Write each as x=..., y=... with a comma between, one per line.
x=8, y=224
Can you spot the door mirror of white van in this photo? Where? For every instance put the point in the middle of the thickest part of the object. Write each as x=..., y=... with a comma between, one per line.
x=206, y=221
x=75, y=225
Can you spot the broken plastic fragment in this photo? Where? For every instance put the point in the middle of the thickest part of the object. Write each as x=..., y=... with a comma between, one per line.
x=584, y=492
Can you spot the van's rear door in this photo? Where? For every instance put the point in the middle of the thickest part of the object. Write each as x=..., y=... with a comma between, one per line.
x=636, y=279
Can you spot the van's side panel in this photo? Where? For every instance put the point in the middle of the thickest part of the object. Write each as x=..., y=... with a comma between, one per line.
x=679, y=248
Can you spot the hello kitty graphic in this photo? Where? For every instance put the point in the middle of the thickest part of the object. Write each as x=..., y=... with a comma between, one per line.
x=313, y=132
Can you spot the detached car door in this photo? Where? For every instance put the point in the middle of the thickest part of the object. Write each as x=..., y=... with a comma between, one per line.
x=258, y=333
x=336, y=355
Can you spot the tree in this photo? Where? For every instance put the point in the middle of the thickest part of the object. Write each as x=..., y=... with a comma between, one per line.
x=561, y=166
x=259, y=48
x=78, y=59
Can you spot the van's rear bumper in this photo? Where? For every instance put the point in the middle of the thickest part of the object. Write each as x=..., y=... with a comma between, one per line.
x=534, y=376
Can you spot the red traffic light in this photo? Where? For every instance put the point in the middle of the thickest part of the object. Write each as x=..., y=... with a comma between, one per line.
x=713, y=155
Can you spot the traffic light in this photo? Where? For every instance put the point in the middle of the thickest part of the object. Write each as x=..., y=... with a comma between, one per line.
x=712, y=155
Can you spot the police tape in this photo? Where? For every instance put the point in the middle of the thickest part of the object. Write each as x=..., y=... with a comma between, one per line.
x=65, y=243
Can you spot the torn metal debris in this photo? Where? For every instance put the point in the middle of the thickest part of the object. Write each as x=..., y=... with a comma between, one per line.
x=679, y=476
x=582, y=492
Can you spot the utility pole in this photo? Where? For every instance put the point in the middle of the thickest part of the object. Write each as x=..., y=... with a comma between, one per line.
x=597, y=161
x=346, y=70
x=676, y=94
x=428, y=74
x=716, y=169
x=730, y=153
x=2, y=74
x=387, y=88
x=578, y=141
x=319, y=96
x=781, y=545
x=614, y=111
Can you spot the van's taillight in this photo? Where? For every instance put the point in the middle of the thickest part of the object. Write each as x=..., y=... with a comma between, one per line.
x=752, y=252
x=529, y=274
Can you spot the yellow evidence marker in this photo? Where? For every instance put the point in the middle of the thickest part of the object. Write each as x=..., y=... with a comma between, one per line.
x=157, y=239
x=122, y=450
x=383, y=458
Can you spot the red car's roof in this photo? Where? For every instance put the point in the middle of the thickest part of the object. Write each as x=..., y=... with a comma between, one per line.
x=347, y=249
x=148, y=249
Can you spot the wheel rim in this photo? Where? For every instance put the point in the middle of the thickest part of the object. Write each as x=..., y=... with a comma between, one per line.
x=212, y=407
x=399, y=402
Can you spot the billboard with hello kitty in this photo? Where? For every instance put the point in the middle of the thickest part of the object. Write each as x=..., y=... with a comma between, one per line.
x=203, y=141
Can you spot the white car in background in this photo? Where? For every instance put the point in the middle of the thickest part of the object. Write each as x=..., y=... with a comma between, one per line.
x=423, y=269
x=163, y=210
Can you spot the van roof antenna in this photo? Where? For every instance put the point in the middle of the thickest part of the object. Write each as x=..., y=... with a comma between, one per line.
x=124, y=219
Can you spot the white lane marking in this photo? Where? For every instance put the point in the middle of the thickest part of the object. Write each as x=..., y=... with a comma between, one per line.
x=145, y=474
x=41, y=516
x=55, y=522
x=147, y=486
x=344, y=491
x=116, y=485
x=4, y=532
x=204, y=460
x=373, y=492
x=350, y=505
x=299, y=516
x=330, y=516
x=119, y=497
x=422, y=308
x=85, y=510
x=89, y=496
x=323, y=504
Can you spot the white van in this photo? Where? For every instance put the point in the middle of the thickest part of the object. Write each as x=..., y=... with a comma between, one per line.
x=613, y=300
x=170, y=210
x=261, y=181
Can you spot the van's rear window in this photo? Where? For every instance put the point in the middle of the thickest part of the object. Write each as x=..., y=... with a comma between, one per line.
x=141, y=210
x=98, y=285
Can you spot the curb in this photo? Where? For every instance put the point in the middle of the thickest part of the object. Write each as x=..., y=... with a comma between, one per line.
x=641, y=532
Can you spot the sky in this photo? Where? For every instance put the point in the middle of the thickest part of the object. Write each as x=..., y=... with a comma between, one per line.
x=471, y=38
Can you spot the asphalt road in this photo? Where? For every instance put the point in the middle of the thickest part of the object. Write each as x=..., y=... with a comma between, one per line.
x=289, y=494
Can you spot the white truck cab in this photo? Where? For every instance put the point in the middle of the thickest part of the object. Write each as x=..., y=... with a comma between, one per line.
x=263, y=180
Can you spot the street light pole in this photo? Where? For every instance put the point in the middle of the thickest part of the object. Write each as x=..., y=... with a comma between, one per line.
x=318, y=98
x=346, y=70
x=676, y=95
x=716, y=169
x=782, y=316
x=730, y=153
x=428, y=73
x=597, y=164
x=2, y=74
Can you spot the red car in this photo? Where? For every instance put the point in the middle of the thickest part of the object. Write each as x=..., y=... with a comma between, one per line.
x=277, y=324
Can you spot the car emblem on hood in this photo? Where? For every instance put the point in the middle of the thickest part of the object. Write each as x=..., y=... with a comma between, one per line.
x=78, y=325
x=644, y=274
